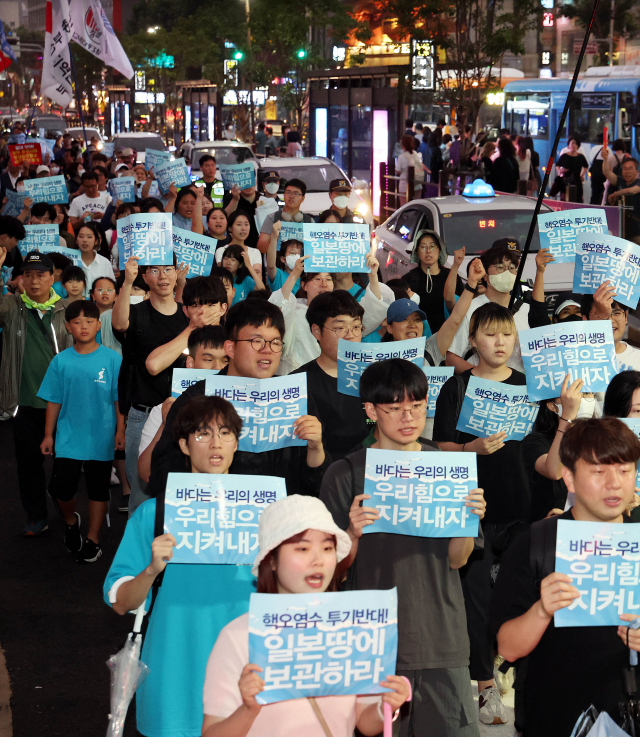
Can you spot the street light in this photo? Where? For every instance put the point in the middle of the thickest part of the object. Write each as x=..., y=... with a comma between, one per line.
x=301, y=53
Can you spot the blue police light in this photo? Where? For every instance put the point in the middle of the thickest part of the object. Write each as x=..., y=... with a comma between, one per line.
x=479, y=188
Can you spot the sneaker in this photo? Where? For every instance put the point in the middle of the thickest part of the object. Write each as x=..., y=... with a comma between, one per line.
x=492, y=709
x=72, y=536
x=115, y=481
x=90, y=552
x=35, y=527
x=503, y=679
x=123, y=504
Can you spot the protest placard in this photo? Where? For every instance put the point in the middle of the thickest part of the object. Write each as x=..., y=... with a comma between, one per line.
x=123, y=189
x=603, y=561
x=421, y=494
x=242, y=176
x=147, y=236
x=353, y=359
x=634, y=424
x=172, y=172
x=290, y=231
x=71, y=253
x=183, y=378
x=337, y=643
x=492, y=406
x=559, y=230
x=214, y=517
x=46, y=145
x=584, y=350
x=602, y=258
x=25, y=153
x=436, y=376
x=268, y=408
x=336, y=247
x=107, y=149
x=38, y=237
x=155, y=157
x=15, y=202
x=52, y=190
x=265, y=208
x=196, y=250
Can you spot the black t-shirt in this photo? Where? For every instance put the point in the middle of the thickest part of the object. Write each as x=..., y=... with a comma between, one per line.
x=631, y=218
x=574, y=166
x=571, y=667
x=250, y=209
x=344, y=421
x=546, y=494
x=432, y=626
x=432, y=302
x=502, y=474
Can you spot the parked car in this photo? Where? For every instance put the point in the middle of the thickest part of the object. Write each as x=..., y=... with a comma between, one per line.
x=139, y=142
x=54, y=125
x=78, y=134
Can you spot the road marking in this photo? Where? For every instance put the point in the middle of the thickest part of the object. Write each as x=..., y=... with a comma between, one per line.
x=6, y=727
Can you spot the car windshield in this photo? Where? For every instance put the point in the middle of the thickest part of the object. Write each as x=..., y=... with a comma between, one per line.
x=478, y=230
x=51, y=127
x=139, y=144
x=79, y=133
x=317, y=178
x=222, y=155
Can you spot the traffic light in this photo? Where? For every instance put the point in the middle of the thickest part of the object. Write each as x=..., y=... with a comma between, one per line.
x=238, y=56
x=301, y=53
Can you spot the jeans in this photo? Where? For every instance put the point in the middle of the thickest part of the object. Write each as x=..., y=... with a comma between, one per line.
x=28, y=434
x=135, y=423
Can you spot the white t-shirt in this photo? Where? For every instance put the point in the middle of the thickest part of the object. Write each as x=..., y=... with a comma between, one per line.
x=100, y=266
x=629, y=359
x=151, y=427
x=254, y=256
x=524, y=166
x=83, y=203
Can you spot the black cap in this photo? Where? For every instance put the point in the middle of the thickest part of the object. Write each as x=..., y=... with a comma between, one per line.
x=271, y=175
x=511, y=244
x=38, y=261
x=340, y=184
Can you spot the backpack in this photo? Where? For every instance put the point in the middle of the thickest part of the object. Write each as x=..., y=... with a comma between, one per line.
x=542, y=549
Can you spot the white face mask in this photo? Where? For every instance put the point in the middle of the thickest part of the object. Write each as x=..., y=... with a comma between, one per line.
x=80, y=172
x=135, y=299
x=272, y=187
x=586, y=411
x=291, y=261
x=502, y=282
x=415, y=297
x=54, y=169
x=341, y=201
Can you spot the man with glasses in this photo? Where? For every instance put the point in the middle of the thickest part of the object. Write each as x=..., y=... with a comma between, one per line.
x=141, y=328
x=294, y=194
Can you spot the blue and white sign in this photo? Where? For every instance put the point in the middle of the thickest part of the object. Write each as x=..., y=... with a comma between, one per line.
x=242, y=176
x=268, y=408
x=603, y=561
x=146, y=236
x=183, y=378
x=107, y=149
x=172, y=172
x=602, y=258
x=196, y=250
x=491, y=406
x=15, y=203
x=436, y=376
x=214, y=517
x=634, y=424
x=336, y=247
x=584, y=350
x=154, y=157
x=353, y=359
x=46, y=144
x=52, y=190
x=290, y=231
x=38, y=237
x=329, y=644
x=421, y=494
x=123, y=189
x=559, y=230
x=73, y=254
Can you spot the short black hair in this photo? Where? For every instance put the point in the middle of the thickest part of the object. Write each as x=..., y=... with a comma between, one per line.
x=331, y=304
x=204, y=290
x=586, y=303
x=200, y=411
x=89, y=175
x=184, y=192
x=630, y=160
x=100, y=278
x=150, y=202
x=209, y=336
x=496, y=255
x=125, y=208
x=235, y=215
x=101, y=170
x=60, y=261
x=73, y=273
x=205, y=158
x=282, y=253
x=81, y=307
x=12, y=227
x=599, y=441
x=222, y=273
x=391, y=381
x=254, y=312
x=326, y=214
x=408, y=123
x=618, y=145
x=259, y=294
x=40, y=209
x=401, y=284
x=297, y=183
x=619, y=395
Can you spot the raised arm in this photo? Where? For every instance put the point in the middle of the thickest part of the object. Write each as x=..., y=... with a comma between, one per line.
x=255, y=275
x=272, y=253
x=173, y=195
x=449, y=293
x=146, y=187
x=235, y=198
x=293, y=277
x=606, y=167
x=196, y=218
x=543, y=257
x=122, y=305
x=444, y=336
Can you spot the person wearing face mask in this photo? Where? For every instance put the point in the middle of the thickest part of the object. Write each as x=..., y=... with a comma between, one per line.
x=290, y=251
x=270, y=187
x=568, y=309
x=294, y=194
x=339, y=194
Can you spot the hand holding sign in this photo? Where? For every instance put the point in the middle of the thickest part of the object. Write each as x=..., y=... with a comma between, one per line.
x=308, y=428
x=487, y=446
x=603, y=300
x=570, y=398
x=360, y=517
x=556, y=592
x=131, y=270
x=250, y=685
x=543, y=257
x=161, y=553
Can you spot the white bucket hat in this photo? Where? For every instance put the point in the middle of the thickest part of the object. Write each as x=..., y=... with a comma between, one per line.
x=290, y=516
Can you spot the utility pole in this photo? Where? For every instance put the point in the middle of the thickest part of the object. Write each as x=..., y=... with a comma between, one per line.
x=253, y=126
x=611, y=22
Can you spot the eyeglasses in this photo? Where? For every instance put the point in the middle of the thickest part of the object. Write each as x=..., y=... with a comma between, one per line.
x=617, y=315
x=258, y=344
x=293, y=194
x=501, y=268
x=428, y=249
x=320, y=280
x=207, y=434
x=342, y=332
x=397, y=413
x=105, y=291
x=167, y=271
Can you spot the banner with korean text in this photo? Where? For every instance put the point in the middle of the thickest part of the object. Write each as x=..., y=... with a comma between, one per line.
x=14, y=204
x=25, y=153
x=155, y=157
x=559, y=230
x=290, y=231
x=336, y=247
x=146, y=236
x=172, y=172
x=183, y=378
x=123, y=189
x=39, y=237
x=52, y=190
x=436, y=376
x=242, y=176
x=195, y=250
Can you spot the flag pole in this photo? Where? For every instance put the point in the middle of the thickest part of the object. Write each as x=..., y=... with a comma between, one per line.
x=33, y=112
x=75, y=87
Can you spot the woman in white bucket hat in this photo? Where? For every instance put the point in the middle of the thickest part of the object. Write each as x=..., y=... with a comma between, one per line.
x=300, y=548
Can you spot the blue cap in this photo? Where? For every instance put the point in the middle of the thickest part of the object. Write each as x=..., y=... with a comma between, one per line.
x=401, y=309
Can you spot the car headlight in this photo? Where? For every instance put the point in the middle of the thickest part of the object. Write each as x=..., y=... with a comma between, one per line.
x=362, y=208
x=99, y=146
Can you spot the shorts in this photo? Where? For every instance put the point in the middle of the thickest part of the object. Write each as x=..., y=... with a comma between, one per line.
x=119, y=455
x=66, y=475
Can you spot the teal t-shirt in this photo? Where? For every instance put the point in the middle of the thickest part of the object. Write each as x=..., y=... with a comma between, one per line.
x=86, y=385
x=373, y=337
x=242, y=289
x=357, y=291
x=59, y=289
x=280, y=279
x=193, y=604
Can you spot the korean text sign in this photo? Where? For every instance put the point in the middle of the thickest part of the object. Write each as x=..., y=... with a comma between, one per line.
x=172, y=172
x=107, y=149
x=123, y=189
x=436, y=376
x=214, y=517
x=559, y=230
x=584, y=350
x=195, y=250
x=336, y=247
x=71, y=253
x=325, y=644
x=146, y=236
x=634, y=424
x=182, y=379
x=491, y=406
x=268, y=408
x=15, y=203
x=602, y=258
x=154, y=157
x=39, y=236
x=52, y=190
x=25, y=153
x=353, y=359
x=421, y=494
x=603, y=561
x=290, y=231
x=242, y=176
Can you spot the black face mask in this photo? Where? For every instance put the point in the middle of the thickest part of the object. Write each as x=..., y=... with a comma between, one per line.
x=571, y=318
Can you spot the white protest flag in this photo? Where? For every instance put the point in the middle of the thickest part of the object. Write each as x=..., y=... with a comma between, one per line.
x=56, y=66
x=92, y=30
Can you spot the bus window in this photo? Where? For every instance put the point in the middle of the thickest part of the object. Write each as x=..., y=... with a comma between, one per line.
x=528, y=115
x=589, y=112
x=625, y=103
